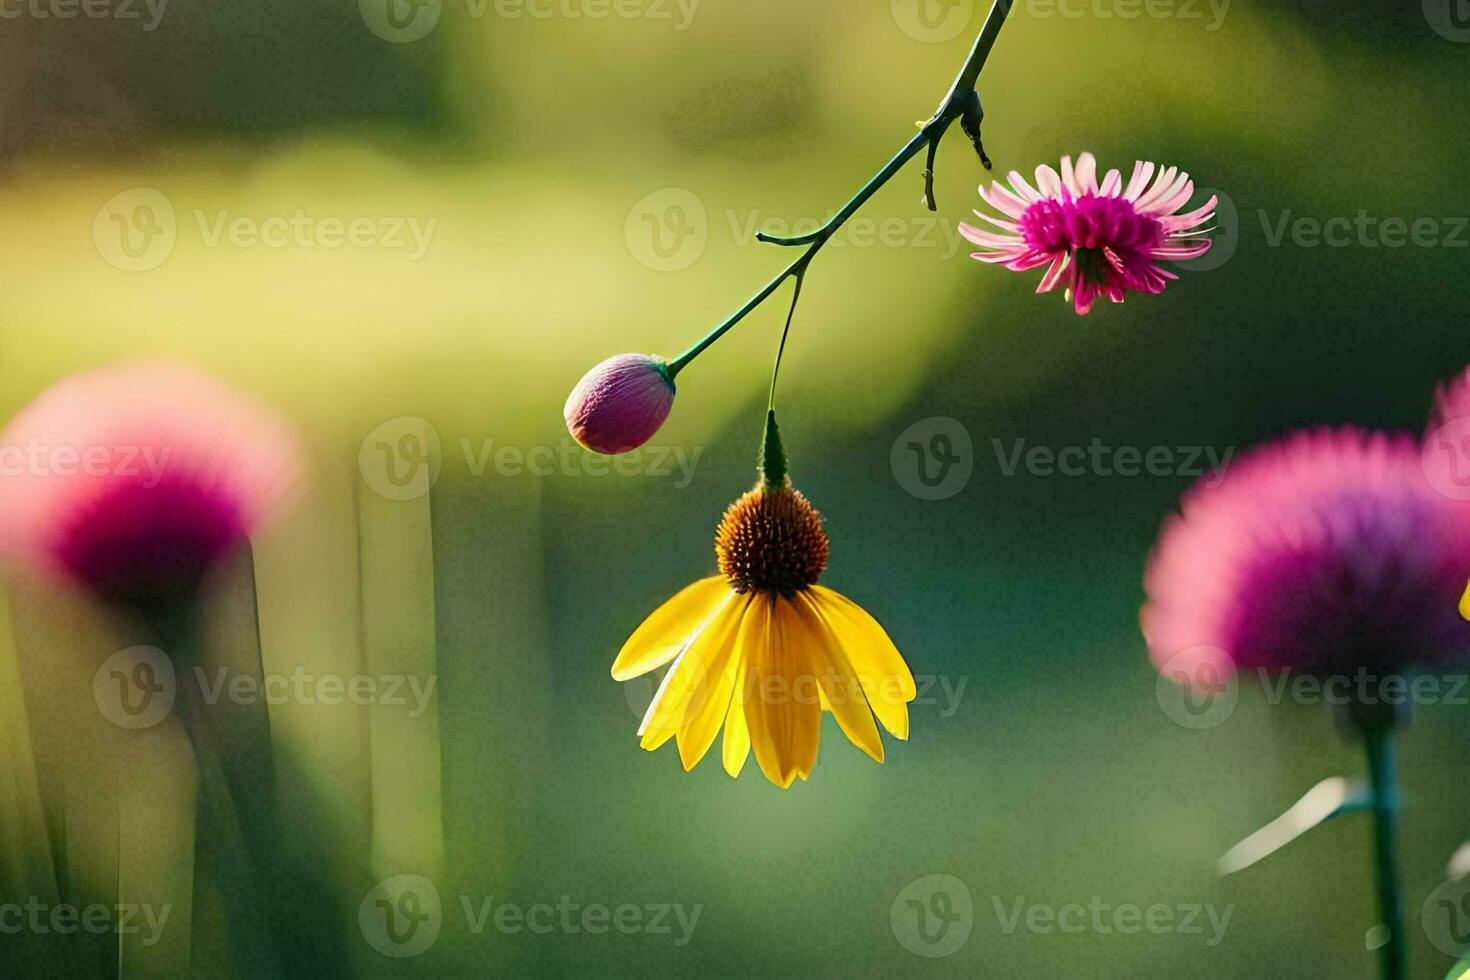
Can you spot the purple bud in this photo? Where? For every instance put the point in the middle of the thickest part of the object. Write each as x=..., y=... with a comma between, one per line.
x=620, y=404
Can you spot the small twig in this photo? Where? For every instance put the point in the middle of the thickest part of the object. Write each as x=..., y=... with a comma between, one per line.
x=929, y=177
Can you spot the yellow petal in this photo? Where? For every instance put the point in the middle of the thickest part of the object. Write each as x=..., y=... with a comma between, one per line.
x=688, y=682
x=736, y=745
x=842, y=692
x=782, y=711
x=880, y=668
x=1465, y=604
x=668, y=631
x=656, y=740
x=708, y=706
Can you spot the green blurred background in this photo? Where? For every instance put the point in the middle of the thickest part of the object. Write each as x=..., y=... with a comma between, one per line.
x=590, y=185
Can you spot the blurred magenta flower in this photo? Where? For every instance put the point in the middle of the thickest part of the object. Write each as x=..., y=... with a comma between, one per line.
x=1323, y=552
x=620, y=404
x=1451, y=401
x=136, y=480
x=1099, y=239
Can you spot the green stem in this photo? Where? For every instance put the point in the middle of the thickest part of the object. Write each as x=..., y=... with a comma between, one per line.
x=1378, y=740
x=781, y=348
x=961, y=103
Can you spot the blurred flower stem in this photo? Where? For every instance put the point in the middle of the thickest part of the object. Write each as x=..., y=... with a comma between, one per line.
x=961, y=104
x=1382, y=772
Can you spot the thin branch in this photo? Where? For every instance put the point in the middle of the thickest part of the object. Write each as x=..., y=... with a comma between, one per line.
x=961, y=103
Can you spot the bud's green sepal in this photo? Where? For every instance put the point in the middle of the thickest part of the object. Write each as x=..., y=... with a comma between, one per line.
x=773, y=455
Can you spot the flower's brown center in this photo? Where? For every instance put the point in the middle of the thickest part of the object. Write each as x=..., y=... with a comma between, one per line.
x=771, y=540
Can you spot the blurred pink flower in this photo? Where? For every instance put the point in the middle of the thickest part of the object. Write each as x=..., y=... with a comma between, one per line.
x=620, y=403
x=1100, y=239
x=135, y=480
x=1451, y=401
x=1323, y=552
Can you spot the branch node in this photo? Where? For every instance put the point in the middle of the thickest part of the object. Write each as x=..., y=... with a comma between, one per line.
x=971, y=117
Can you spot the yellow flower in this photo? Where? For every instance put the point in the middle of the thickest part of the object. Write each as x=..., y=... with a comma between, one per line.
x=761, y=650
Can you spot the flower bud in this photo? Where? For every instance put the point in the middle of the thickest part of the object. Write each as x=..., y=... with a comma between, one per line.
x=620, y=403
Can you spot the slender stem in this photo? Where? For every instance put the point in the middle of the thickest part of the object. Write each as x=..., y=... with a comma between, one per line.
x=781, y=349
x=683, y=360
x=960, y=103
x=1378, y=741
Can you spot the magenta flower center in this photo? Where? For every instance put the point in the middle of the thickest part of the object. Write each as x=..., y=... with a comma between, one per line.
x=1089, y=224
x=152, y=545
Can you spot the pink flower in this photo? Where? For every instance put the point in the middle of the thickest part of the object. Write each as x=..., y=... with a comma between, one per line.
x=1324, y=552
x=136, y=480
x=1451, y=401
x=620, y=403
x=1099, y=239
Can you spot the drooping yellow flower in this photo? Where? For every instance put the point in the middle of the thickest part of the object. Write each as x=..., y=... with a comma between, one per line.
x=761, y=650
